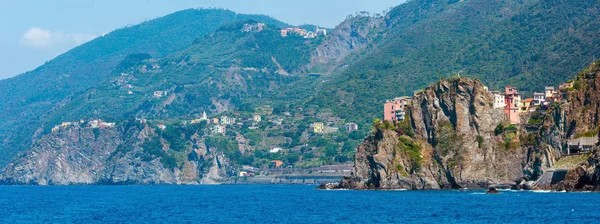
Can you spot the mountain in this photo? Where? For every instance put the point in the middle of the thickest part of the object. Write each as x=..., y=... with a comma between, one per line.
x=524, y=43
x=26, y=99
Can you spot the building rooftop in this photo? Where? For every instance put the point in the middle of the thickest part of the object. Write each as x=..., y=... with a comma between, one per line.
x=590, y=141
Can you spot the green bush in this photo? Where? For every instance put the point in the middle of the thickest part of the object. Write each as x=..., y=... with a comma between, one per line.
x=499, y=129
x=479, y=139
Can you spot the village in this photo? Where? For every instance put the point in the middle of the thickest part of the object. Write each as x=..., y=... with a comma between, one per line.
x=290, y=31
x=518, y=111
x=268, y=132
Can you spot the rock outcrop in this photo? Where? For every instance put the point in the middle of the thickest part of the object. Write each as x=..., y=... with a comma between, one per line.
x=447, y=142
x=82, y=155
x=350, y=36
x=454, y=138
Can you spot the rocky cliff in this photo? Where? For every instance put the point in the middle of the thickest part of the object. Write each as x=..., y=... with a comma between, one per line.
x=577, y=116
x=454, y=138
x=130, y=153
x=448, y=141
x=352, y=35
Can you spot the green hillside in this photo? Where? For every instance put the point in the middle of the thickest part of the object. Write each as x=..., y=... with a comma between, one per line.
x=525, y=43
x=27, y=99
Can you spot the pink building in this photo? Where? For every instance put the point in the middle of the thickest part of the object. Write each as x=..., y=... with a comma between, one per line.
x=512, y=99
x=394, y=110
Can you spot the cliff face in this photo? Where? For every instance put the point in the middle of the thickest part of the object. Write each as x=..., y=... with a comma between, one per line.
x=449, y=143
x=120, y=155
x=350, y=36
x=577, y=116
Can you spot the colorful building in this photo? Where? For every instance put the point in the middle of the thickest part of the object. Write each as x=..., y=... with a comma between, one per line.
x=319, y=127
x=350, y=127
x=512, y=100
x=526, y=105
x=550, y=92
x=512, y=97
x=276, y=163
x=395, y=110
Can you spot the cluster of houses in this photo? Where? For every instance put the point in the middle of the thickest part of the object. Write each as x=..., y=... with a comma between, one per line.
x=257, y=27
x=321, y=128
x=220, y=124
x=91, y=124
x=514, y=105
x=303, y=32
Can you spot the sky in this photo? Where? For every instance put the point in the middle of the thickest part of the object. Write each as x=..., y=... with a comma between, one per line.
x=35, y=31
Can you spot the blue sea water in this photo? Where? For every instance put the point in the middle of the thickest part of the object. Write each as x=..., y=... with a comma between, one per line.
x=286, y=204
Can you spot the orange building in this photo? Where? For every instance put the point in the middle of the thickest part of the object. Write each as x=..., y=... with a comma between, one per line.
x=276, y=163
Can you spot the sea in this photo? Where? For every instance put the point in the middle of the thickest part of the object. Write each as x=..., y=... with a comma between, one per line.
x=287, y=204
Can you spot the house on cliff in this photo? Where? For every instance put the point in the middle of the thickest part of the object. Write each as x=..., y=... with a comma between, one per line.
x=582, y=145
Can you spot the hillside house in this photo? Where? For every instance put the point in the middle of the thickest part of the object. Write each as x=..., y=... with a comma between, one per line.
x=582, y=145
x=319, y=127
x=512, y=100
x=550, y=92
x=160, y=94
x=513, y=114
x=246, y=174
x=100, y=124
x=219, y=130
x=539, y=99
x=225, y=120
x=162, y=127
x=526, y=105
x=498, y=100
x=257, y=118
x=258, y=27
x=276, y=163
x=275, y=150
x=512, y=97
x=321, y=32
x=351, y=127
x=394, y=110
x=565, y=86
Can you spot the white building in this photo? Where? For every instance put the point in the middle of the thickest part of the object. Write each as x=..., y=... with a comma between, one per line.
x=539, y=99
x=257, y=118
x=219, y=130
x=498, y=100
x=275, y=150
x=225, y=120
x=350, y=127
x=159, y=94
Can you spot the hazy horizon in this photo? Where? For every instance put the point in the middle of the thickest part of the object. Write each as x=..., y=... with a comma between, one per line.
x=53, y=28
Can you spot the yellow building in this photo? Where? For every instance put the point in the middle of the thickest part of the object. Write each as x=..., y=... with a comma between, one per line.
x=319, y=127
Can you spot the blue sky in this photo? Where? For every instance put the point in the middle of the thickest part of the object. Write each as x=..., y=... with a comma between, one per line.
x=35, y=31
